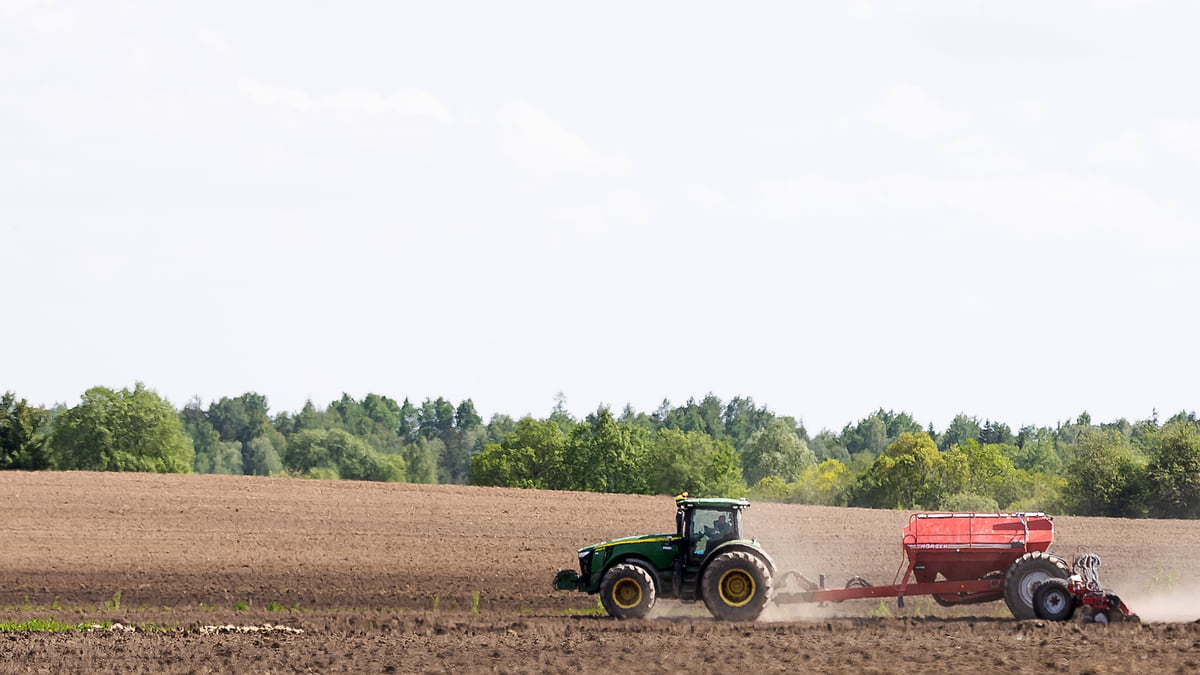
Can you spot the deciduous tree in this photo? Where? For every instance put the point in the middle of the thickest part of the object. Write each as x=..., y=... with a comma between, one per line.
x=1173, y=475
x=22, y=443
x=907, y=475
x=775, y=451
x=129, y=430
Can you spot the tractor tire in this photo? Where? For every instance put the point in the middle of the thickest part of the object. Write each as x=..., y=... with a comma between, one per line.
x=627, y=592
x=1024, y=576
x=1052, y=601
x=737, y=586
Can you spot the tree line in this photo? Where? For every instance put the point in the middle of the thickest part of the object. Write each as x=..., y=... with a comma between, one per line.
x=707, y=447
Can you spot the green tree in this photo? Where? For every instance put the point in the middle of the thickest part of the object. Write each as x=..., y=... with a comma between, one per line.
x=980, y=469
x=1173, y=475
x=465, y=438
x=826, y=445
x=240, y=419
x=420, y=458
x=961, y=430
x=499, y=426
x=705, y=416
x=262, y=457
x=906, y=475
x=465, y=416
x=243, y=419
x=603, y=455
x=308, y=418
x=969, y=502
x=321, y=453
x=996, y=433
x=742, y=419
x=770, y=489
x=694, y=462
x=210, y=455
x=826, y=483
x=1034, y=451
x=560, y=416
x=1106, y=478
x=776, y=451
x=871, y=435
x=531, y=456
x=641, y=420
x=384, y=414
x=436, y=418
x=409, y=422
x=121, y=431
x=224, y=457
x=22, y=443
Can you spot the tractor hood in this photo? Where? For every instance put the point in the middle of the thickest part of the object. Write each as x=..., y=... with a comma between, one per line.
x=640, y=539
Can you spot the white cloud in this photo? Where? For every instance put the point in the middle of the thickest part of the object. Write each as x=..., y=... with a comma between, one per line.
x=45, y=16
x=354, y=104
x=1182, y=136
x=980, y=153
x=622, y=209
x=12, y=8
x=56, y=20
x=537, y=143
x=263, y=93
x=214, y=42
x=707, y=198
x=143, y=60
x=909, y=111
x=1125, y=150
x=585, y=220
x=349, y=105
x=629, y=207
x=1050, y=205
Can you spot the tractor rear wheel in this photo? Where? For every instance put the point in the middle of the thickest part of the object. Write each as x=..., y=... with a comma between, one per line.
x=736, y=586
x=1024, y=576
x=627, y=592
x=1053, y=601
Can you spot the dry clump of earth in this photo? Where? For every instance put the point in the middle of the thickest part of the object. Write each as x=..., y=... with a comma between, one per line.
x=208, y=574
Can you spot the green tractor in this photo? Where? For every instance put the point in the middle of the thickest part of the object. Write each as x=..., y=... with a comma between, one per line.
x=706, y=559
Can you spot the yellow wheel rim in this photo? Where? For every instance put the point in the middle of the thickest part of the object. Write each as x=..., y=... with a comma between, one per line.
x=736, y=587
x=627, y=593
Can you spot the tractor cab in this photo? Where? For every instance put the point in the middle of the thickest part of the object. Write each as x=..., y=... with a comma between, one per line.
x=702, y=524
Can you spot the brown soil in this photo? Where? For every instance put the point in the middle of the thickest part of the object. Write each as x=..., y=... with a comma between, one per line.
x=383, y=578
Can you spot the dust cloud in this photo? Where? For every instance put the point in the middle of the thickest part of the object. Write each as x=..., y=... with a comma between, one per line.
x=1164, y=606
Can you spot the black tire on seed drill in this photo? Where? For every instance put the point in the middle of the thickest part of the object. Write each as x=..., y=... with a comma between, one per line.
x=736, y=586
x=1052, y=601
x=1024, y=576
x=627, y=592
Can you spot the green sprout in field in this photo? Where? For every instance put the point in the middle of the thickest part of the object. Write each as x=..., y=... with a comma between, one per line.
x=50, y=626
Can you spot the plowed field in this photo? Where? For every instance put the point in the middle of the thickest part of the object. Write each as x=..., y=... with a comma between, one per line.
x=396, y=578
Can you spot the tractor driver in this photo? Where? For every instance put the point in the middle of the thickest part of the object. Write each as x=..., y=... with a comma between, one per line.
x=724, y=529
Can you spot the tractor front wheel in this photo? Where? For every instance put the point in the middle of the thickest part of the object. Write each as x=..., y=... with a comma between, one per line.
x=1024, y=576
x=627, y=592
x=736, y=586
x=1053, y=601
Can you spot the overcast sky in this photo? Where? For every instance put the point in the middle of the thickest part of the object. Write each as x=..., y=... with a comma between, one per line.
x=935, y=207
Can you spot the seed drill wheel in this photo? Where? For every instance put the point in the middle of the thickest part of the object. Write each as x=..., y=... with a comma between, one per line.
x=627, y=592
x=736, y=586
x=1052, y=600
x=1024, y=576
